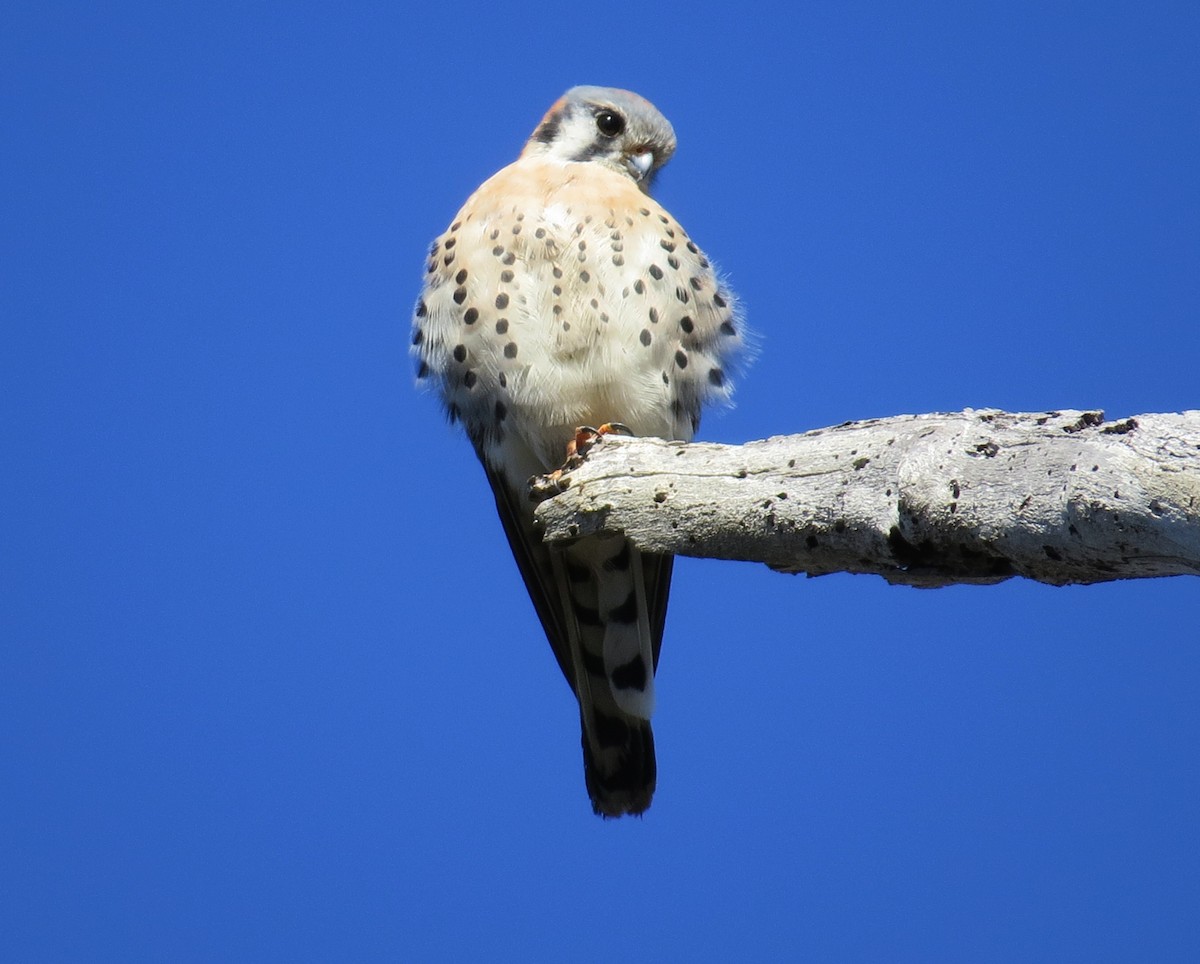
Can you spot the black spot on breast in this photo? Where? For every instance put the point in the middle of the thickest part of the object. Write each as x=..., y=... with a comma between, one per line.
x=501, y=326
x=510, y=350
x=618, y=260
x=584, y=277
x=539, y=233
x=418, y=336
x=470, y=316
x=716, y=377
x=682, y=295
x=656, y=272
x=501, y=411
x=639, y=287
x=422, y=370
x=681, y=358
x=691, y=246
x=727, y=328
x=673, y=262
x=645, y=337
x=460, y=295
x=450, y=242
x=422, y=309
x=718, y=300
x=508, y=258
x=667, y=245
x=654, y=316
x=506, y=276
x=456, y=225
x=503, y=380
x=687, y=324
x=461, y=277
x=469, y=379
x=460, y=353
x=502, y=300
x=696, y=283
x=666, y=378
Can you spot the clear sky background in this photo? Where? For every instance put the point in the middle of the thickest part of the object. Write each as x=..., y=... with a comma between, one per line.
x=270, y=685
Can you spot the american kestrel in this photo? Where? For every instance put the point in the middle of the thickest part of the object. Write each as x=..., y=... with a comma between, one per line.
x=563, y=296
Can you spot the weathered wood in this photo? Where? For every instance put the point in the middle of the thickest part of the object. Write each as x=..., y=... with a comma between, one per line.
x=923, y=500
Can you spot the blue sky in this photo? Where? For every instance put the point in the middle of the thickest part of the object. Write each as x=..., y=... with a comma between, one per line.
x=270, y=686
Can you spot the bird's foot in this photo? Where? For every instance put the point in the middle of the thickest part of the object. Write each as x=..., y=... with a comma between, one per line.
x=586, y=437
x=542, y=487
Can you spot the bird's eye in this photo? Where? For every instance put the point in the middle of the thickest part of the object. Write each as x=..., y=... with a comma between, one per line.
x=610, y=123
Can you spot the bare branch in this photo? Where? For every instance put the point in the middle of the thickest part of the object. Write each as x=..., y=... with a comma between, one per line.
x=922, y=500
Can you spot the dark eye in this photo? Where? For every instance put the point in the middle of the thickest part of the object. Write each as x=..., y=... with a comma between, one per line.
x=610, y=123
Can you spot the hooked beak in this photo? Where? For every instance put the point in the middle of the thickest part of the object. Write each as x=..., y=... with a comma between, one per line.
x=640, y=164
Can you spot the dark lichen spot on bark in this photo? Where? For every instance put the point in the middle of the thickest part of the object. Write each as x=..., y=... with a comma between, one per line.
x=1052, y=553
x=1120, y=428
x=1157, y=507
x=860, y=462
x=987, y=449
x=1086, y=420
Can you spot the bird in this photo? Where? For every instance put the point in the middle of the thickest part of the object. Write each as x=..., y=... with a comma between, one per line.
x=563, y=296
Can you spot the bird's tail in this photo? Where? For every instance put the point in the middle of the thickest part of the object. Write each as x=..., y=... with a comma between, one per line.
x=614, y=655
x=618, y=763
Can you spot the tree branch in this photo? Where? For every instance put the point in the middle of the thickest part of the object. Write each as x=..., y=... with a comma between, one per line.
x=922, y=500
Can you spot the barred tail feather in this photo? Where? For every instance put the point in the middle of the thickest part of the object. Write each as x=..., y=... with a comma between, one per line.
x=618, y=763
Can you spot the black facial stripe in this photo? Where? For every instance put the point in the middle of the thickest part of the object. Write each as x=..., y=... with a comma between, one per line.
x=547, y=132
x=594, y=149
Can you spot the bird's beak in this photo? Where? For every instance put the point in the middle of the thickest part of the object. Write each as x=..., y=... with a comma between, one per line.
x=641, y=163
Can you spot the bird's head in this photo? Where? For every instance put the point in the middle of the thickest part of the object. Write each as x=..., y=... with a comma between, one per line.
x=605, y=125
